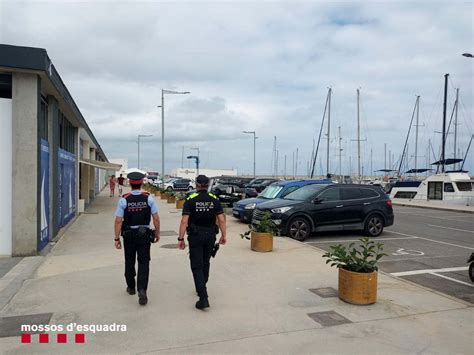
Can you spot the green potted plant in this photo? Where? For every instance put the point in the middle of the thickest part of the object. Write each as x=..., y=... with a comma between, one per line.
x=261, y=235
x=180, y=198
x=358, y=268
x=163, y=194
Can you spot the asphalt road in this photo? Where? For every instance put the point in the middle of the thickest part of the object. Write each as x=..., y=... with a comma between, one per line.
x=426, y=246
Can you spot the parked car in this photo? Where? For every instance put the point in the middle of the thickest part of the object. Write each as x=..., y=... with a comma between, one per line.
x=181, y=184
x=243, y=209
x=321, y=207
x=254, y=187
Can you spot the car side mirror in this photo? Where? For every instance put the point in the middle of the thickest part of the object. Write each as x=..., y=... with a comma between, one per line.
x=317, y=200
x=229, y=190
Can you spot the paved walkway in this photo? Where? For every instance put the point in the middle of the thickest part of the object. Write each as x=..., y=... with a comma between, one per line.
x=259, y=302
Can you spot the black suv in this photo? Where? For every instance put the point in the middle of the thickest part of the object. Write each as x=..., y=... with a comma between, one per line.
x=316, y=208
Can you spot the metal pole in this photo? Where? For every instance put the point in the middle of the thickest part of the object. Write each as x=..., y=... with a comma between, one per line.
x=296, y=163
x=456, y=126
x=385, y=156
x=329, y=130
x=138, y=152
x=358, y=136
x=371, y=167
x=284, y=173
x=162, y=139
x=443, y=149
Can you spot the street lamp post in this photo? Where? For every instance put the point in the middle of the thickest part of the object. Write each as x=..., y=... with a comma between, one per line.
x=254, y=139
x=197, y=169
x=163, y=92
x=141, y=136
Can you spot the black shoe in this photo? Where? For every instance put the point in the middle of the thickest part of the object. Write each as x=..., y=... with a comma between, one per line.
x=130, y=291
x=142, y=298
x=202, y=303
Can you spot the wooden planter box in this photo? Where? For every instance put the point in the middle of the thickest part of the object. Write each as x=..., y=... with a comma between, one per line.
x=163, y=196
x=171, y=199
x=157, y=193
x=261, y=242
x=357, y=287
x=179, y=204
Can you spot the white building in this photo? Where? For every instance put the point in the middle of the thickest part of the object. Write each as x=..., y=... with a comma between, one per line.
x=192, y=173
x=120, y=161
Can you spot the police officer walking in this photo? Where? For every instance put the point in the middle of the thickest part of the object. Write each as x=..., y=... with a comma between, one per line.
x=132, y=222
x=200, y=211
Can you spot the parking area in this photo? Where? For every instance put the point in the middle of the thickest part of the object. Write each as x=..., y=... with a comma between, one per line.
x=428, y=247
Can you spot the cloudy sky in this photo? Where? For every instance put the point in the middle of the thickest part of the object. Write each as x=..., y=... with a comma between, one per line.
x=256, y=65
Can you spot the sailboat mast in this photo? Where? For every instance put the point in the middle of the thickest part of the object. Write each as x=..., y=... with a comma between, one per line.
x=340, y=155
x=456, y=125
x=416, y=131
x=329, y=131
x=358, y=135
x=443, y=145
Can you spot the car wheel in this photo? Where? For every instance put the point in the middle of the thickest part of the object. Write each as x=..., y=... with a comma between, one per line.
x=374, y=225
x=471, y=271
x=299, y=228
x=169, y=188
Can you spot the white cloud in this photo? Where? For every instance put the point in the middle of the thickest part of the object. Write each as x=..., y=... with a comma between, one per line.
x=263, y=66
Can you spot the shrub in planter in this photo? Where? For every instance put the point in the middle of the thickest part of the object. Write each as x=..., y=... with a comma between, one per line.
x=357, y=270
x=171, y=197
x=261, y=235
x=180, y=198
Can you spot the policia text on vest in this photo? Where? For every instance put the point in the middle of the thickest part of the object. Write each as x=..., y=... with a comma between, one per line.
x=201, y=210
x=132, y=222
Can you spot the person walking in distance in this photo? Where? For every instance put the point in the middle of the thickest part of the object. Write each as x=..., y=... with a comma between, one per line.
x=132, y=221
x=200, y=211
x=112, y=182
x=120, y=181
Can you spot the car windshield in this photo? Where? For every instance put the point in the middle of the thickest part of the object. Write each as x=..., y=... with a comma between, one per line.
x=464, y=185
x=271, y=191
x=305, y=193
x=256, y=182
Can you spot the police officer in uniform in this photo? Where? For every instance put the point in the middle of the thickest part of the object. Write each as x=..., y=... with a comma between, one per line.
x=200, y=211
x=132, y=222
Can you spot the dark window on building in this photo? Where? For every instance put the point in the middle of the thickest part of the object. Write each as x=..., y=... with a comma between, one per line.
x=43, y=120
x=6, y=86
x=67, y=134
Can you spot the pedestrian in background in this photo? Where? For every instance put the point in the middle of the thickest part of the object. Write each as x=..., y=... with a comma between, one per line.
x=120, y=181
x=132, y=222
x=200, y=211
x=112, y=182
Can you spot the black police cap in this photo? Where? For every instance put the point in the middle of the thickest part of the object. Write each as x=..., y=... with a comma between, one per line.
x=135, y=176
x=202, y=180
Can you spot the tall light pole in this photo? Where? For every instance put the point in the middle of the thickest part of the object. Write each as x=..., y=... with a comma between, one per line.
x=197, y=170
x=141, y=136
x=163, y=92
x=254, y=139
